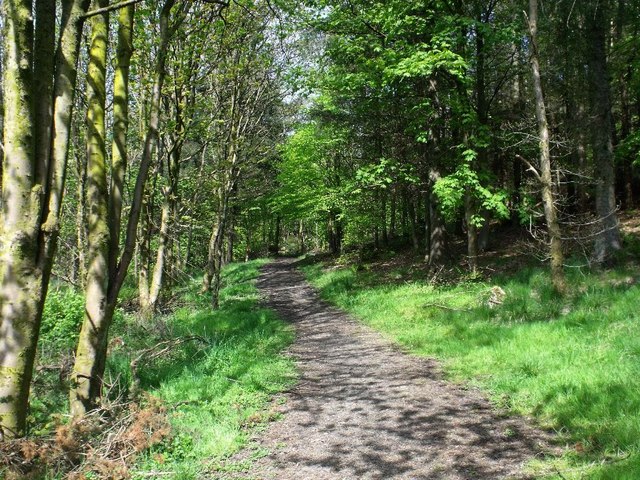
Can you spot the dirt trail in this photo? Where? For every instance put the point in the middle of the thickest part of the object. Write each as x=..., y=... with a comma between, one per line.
x=365, y=410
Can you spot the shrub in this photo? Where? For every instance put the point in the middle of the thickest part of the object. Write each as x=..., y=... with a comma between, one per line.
x=61, y=320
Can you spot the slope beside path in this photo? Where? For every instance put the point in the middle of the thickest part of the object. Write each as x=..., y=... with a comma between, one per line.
x=365, y=410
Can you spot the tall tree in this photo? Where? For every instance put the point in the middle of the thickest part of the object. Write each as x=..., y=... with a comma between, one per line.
x=96, y=283
x=545, y=174
x=33, y=185
x=91, y=353
x=601, y=127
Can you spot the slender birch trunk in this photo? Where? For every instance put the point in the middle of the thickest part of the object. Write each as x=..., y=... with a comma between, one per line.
x=545, y=177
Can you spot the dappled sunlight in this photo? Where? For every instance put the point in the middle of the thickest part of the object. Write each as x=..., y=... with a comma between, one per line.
x=571, y=361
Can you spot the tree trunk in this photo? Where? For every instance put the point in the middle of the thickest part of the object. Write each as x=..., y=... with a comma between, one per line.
x=30, y=210
x=81, y=224
x=413, y=223
x=19, y=276
x=301, y=237
x=44, y=69
x=212, y=279
x=151, y=138
x=155, y=287
x=608, y=238
x=437, y=238
x=93, y=334
x=393, y=214
x=383, y=218
x=92, y=346
x=144, y=254
x=545, y=177
x=119, y=155
x=472, y=233
x=276, y=236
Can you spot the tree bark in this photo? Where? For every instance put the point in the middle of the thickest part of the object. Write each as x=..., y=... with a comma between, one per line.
x=608, y=238
x=19, y=276
x=44, y=69
x=545, y=177
x=437, y=240
x=105, y=274
x=472, y=232
x=144, y=255
x=93, y=334
x=161, y=255
x=119, y=153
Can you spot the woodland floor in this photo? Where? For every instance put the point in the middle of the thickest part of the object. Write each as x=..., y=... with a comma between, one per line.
x=363, y=409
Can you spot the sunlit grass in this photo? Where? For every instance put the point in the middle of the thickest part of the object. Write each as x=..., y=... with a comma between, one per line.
x=573, y=363
x=219, y=393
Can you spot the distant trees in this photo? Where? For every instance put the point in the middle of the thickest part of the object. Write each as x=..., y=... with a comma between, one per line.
x=195, y=46
x=438, y=104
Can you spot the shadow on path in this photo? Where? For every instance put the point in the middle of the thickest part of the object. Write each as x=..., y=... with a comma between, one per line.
x=365, y=410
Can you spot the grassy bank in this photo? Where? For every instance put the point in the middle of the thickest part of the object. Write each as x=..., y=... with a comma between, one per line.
x=220, y=394
x=573, y=363
x=211, y=374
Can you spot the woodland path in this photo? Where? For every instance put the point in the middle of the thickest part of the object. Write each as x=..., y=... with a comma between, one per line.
x=365, y=410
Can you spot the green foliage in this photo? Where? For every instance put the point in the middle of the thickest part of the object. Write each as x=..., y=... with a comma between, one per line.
x=438, y=57
x=310, y=172
x=61, y=319
x=451, y=189
x=572, y=362
x=384, y=174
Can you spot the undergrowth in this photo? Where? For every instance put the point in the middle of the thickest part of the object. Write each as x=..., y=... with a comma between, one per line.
x=211, y=374
x=573, y=362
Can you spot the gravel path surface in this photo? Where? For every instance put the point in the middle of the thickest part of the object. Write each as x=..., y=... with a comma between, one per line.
x=365, y=410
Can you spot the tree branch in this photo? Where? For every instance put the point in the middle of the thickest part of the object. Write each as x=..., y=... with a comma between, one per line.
x=115, y=6
x=531, y=167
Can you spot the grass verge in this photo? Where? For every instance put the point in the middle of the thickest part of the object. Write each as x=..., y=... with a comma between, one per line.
x=219, y=395
x=573, y=363
x=212, y=374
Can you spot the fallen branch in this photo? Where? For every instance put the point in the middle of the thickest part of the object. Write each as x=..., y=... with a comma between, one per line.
x=157, y=351
x=444, y=307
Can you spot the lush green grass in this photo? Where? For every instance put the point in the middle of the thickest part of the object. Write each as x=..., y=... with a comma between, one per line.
x=573, y=363
x=217, y=387
x=220, y=393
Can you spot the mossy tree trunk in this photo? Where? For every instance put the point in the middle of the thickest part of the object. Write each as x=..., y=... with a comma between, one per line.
x=34, y=163
x=92, y=347
x=19, y=276
x=93, y=333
